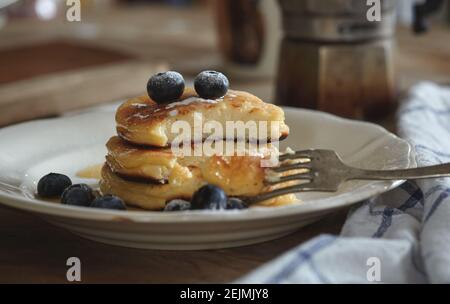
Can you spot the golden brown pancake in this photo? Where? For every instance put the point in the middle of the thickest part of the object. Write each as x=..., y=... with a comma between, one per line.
x=154, y=196
x=158, y=164
x=142, y=121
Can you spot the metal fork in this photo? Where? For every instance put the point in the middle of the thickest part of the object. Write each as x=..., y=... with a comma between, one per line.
x=325, y=171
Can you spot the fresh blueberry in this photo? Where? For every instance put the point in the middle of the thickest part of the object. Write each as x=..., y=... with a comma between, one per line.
x=211, y=84
x=209, y=197
x=177, y=205
x=109, y=202
x=53, y=185
x=235, y=203
x=165, y=87
x=78, y=195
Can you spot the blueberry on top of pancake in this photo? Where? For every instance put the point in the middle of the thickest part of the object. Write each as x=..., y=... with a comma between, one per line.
x=165, y=87
x=211, y=84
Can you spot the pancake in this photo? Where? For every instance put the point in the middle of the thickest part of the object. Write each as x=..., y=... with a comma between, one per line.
x=158, y=164
x=142, y=121
x=139, y=162
x=154, y=196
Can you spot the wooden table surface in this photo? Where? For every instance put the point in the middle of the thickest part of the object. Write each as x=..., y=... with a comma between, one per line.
x=33, y=251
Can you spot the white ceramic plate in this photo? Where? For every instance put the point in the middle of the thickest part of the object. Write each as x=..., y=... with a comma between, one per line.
x=66, y=145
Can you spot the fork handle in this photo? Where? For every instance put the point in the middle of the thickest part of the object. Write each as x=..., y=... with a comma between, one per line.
x=442, y=170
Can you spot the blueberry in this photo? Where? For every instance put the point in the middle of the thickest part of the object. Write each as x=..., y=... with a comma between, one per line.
x=235, y=203
x=165, y=87
x=78, y=195
x=109, y=202
x=211, y=84
x=209, y=197
x=177, y=205
x=53, y=184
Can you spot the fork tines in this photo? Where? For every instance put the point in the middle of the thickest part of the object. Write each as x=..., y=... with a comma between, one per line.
x=296, y=166
x=300, y=160
x=303, y=154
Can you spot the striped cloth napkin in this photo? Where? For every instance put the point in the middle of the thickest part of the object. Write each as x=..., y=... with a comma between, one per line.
x=402, y=236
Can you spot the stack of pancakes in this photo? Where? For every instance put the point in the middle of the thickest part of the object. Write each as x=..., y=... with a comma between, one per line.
x=142, y=169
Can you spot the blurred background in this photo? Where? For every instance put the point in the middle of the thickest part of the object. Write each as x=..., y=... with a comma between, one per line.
x=320, y=54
